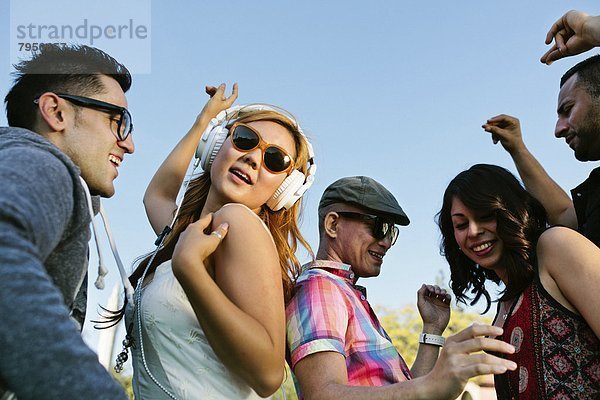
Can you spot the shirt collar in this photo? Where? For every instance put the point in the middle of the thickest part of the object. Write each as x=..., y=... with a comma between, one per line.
x=337, y=268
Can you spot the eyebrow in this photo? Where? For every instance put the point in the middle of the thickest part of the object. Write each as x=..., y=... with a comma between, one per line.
x=457, y=215
x=561, y=107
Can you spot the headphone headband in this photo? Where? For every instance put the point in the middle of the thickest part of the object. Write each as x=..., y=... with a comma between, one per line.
x=293, y=187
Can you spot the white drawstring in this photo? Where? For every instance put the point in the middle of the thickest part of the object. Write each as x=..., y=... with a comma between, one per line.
x=102, y=270
x=126, y=284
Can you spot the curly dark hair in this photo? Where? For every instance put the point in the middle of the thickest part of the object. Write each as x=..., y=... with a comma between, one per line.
x=520, y=221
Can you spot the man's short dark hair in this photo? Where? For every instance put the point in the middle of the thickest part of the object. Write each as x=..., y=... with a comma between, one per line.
x=71, y=69
x=588, y=75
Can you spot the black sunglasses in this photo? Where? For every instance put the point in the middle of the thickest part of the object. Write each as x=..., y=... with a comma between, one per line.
x=124, y=124
x=245, y=139
x=380, y=228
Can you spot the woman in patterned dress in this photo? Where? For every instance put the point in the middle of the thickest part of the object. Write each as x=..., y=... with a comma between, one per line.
x=494, y=230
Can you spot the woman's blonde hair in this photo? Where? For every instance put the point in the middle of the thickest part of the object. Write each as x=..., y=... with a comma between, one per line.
x=282, y=224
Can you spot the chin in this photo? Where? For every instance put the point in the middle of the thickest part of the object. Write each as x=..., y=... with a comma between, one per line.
x=581, y=157
x=103, y=192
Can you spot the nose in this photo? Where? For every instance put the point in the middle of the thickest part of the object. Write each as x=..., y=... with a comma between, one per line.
x=127, y=144
x=253, y=158
x=474, y=229
x=562, y=127
x=386, y=242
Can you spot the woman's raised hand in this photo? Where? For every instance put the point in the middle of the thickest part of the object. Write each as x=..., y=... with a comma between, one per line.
x=218, y=100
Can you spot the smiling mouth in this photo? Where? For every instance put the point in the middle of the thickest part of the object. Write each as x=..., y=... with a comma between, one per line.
x=241, y=175
x=482, y=246
x=376, y=255
x=115, y=160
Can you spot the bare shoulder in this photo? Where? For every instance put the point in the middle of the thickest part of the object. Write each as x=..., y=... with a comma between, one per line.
x=240, y=218
x=234, y=212
x=247, y=251
x=562, y=242
x=246, y=230
x=564, y=253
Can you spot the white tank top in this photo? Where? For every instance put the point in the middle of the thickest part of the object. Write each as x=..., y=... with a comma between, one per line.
x=176, y=349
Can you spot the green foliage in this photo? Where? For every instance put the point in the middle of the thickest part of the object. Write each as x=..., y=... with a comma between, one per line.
x=125, y=381
x=404, y=326
x=288, y=387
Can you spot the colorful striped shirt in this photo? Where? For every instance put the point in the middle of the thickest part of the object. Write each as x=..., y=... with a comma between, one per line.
x=329, y=312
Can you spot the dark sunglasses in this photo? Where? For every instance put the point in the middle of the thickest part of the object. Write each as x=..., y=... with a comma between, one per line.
x=380, y=228
x=124, y=124
x=245, y=139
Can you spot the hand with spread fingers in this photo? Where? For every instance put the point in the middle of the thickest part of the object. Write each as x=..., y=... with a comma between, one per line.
x=466, y=355
x=433, y=303
x=506, y=130
x=195, y=245
x=218, y=100
x=574, y=33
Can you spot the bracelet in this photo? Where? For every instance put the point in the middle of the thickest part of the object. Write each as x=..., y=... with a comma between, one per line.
x=428, y=338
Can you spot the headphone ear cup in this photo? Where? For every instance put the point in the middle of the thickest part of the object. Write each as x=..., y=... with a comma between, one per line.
x=286, y=195
x=216, y=138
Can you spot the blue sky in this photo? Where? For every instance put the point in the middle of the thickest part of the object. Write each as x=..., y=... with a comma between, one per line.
x=395, y=90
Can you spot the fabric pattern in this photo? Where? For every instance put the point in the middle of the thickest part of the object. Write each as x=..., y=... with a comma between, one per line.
x=330, y=313
x=558, y=354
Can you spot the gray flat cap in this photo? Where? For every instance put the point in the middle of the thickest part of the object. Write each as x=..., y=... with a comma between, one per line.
x=366, y=193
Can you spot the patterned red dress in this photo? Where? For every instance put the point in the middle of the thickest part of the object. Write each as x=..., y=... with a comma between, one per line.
x=557, y=353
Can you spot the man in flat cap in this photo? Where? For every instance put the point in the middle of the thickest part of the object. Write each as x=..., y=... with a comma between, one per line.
x=338, y=348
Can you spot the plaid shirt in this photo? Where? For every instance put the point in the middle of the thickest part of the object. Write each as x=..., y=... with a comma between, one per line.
x=330, y=313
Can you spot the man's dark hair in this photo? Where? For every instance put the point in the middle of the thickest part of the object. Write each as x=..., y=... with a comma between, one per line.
x=588, y=75
x=71, y=69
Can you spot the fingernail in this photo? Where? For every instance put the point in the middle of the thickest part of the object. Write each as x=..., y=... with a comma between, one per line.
x=224, y=226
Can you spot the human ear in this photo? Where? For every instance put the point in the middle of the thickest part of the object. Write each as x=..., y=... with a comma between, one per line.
x=53, y=111
x=330, y=224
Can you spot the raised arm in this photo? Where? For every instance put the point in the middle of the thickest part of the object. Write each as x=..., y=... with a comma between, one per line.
x=241, y=310
x=323, y=375
x=161, y=194
x=570, y=271
x=507, y=130
x=434, y=307
x=574, y=33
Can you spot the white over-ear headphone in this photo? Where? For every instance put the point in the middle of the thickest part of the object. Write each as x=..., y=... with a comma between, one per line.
x=292, y=188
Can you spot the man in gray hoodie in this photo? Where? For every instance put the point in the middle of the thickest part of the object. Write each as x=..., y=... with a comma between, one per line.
x=69, y=130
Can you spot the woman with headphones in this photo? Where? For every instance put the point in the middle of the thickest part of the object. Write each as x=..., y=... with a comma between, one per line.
x=209, y=316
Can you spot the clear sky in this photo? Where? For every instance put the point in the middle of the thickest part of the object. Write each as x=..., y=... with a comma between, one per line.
x=396, y=90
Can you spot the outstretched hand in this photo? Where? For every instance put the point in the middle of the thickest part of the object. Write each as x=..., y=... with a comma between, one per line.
x=218, y=100
x=195, y=245
x=574, y=33
x=461, y=359
x=433, y=303
x=506, y=130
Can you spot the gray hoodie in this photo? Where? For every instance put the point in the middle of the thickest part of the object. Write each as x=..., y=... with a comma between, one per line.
x=44, y=234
